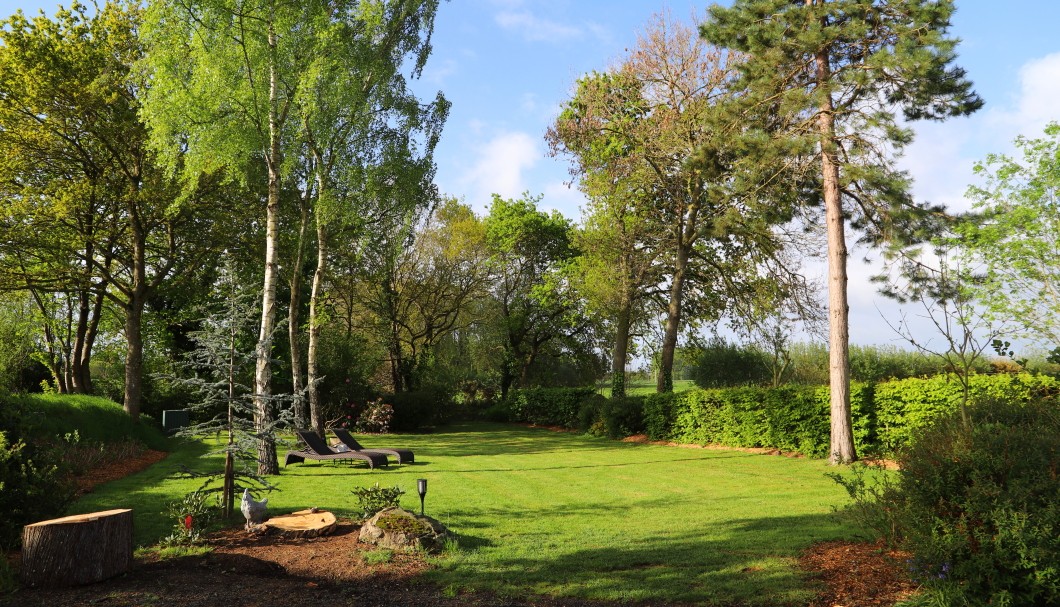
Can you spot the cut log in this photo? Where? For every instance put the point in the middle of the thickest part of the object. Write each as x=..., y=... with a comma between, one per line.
x=79, y=549
x=301, y=524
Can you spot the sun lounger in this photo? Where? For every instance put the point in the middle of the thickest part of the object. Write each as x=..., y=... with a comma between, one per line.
x=317, y=449
x=403, y=456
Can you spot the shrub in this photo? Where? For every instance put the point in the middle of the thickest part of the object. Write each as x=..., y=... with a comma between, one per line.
x=611, y=417
x=33, y=487
x=375, y=417
x=375, y=498
x=547, y=406
x=192, y=516
x=790, y=418
x=659, y=415
x=979, y=507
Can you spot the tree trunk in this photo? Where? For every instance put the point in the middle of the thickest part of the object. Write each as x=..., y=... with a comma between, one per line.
x=665, y=381
x=79, y=549
x=134, y=357
x=293, y=323
x=619, y=353
x=315, y=416
x=263, y=418
x=841, y=450
x=78, y=372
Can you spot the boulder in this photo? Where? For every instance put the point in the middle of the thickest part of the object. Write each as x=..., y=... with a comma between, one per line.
x=399, y=529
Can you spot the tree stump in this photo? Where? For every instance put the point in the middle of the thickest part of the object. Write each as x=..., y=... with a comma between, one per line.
x=301, y=524
x=78, y=549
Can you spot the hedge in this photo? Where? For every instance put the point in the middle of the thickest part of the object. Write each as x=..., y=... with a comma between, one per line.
x=547, y=406
x=790, y=418
x=796, y=418
x=905, y=407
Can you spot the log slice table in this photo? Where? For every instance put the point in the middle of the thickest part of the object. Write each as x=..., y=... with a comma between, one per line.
x=301, y=524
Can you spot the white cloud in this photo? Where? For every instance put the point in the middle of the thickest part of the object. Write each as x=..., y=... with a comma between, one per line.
x=535, y=28
x=498, y=167
x=1035, y=104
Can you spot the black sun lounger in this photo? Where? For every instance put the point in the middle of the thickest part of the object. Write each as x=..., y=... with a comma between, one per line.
x=317, y=449
x=404, y=456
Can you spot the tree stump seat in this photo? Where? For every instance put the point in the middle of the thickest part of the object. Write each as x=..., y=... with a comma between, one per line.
x=78, y=549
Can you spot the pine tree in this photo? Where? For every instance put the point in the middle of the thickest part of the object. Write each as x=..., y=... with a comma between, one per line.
x=830, y=75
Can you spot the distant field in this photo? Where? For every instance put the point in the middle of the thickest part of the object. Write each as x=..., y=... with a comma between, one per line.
x=646, y=387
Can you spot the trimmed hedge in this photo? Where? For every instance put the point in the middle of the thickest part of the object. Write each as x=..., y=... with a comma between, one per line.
x=905, y=407
x=795, y=418
x=790, y=418
x=547, y=406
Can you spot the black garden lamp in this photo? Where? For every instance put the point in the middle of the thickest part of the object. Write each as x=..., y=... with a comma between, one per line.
x=421, y=488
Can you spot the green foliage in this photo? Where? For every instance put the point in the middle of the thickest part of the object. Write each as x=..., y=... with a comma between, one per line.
x=905, y=407
x=659, y=414
x=721, y=364
x=548, y=406
x=979, y=507
x=1015, y=232
x=611, y=417
x=33, y=487
x=193, y=516
x=373, y=499
x=789, y=418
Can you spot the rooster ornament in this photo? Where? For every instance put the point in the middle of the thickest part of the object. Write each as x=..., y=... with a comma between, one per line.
x=255, y=512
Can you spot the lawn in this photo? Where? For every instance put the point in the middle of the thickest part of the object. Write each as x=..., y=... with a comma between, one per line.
x=562, y=514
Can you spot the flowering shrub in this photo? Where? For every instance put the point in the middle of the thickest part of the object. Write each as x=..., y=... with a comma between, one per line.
x=375, y=417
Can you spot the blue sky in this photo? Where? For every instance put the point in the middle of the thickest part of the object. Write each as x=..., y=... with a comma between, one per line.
x=508, y=65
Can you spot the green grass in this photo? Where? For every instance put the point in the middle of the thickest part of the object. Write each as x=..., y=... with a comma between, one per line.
x=646, y=387
x=96, y=419
x=539, y=512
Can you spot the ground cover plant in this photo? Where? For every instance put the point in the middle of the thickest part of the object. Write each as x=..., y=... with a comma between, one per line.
x=541, y=512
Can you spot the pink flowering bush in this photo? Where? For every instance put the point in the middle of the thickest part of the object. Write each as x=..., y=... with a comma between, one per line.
x=375, y=417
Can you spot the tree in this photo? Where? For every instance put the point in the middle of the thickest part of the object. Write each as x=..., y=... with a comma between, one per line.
x=949, y=288
x=824, y=77
x=1015, y=233
x=529, y=251
x=224, y=76
x=652, y=136
x=371, y=144
x=71, y=100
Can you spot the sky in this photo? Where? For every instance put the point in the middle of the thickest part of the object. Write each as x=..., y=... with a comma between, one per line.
x=507, y=66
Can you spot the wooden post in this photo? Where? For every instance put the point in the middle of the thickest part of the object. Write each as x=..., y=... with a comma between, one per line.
x=78, y=549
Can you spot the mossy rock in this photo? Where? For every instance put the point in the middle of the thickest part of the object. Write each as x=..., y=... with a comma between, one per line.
x=399, y=529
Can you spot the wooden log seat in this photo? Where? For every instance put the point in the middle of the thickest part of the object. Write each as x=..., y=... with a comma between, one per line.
x=79, y=549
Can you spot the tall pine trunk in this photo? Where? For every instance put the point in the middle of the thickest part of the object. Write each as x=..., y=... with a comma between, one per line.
x=263, y=417
x=841, y=449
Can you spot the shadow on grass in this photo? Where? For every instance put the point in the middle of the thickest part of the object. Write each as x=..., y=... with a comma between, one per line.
x=747, y=562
